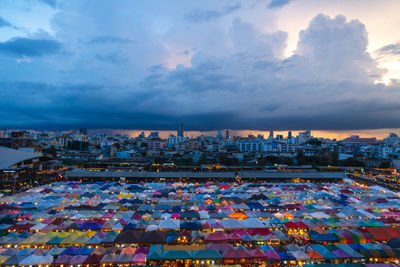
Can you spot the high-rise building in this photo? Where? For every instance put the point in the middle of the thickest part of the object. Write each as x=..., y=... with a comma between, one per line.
x=155, y=135
x=271, y=134
x=289, y=134
x=303, y=137
x=180, y=129
x=227, y=134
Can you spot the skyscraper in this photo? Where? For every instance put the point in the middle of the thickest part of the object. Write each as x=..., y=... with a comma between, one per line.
x=289, y=134
x=180, y=129
x=227, y=134
x=271, y=134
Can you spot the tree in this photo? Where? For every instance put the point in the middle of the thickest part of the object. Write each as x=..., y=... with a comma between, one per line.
x=143, y=144
x=271, y=160
x=351, y=162
x=385, y=165
x=203, y=159
x=51, y=151
x=334, y=158
x=314, y=142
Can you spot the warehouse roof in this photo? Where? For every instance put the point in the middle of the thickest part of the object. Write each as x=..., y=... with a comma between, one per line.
x=10, y=157
x=207, y=175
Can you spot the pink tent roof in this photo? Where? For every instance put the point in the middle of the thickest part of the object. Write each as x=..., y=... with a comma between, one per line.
x=234, y=236
x=139, y=258
x=240, y=232
x=175, y=215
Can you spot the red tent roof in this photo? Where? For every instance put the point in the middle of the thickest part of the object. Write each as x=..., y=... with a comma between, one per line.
x=217, y=236
x=236, y=254
x=257, y=253
x=383, y=233
x=298, y=224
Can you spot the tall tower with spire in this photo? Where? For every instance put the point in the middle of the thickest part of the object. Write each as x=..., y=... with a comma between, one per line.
x=180, y=129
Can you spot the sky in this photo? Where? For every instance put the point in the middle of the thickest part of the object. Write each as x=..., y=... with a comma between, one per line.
x=328, y=65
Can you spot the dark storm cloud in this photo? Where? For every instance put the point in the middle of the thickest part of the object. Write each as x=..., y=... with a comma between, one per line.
x=209, y=15
x=278, y=3
x=29, y=47
x=42, y=105
x=4, y=23
x=109, y=81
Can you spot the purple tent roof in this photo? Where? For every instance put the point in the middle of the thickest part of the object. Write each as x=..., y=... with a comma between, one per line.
x=143, y=250
x=221, y=247
x=272, y=255
x=340, y=254
x=63, y=259
x=78, y=259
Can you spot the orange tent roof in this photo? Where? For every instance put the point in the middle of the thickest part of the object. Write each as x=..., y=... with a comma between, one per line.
x=238, y=215
x=315, y=255
x=128, y=250
x=288, y=215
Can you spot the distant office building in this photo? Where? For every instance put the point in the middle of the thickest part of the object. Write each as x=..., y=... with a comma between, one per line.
x=227, y=134
x=16, y=142
x=174, y=140
x=289, y=134
x=304, y=137
x=219, y=135
x=355, y=139
x=180, y=129
x=154, y=135
x=155, y=144
x=83, y=131
x=271, y=134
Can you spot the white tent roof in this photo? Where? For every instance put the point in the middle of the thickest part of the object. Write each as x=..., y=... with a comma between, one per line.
x=169, y=224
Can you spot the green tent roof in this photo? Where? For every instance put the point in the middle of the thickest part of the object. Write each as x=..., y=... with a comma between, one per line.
x=177, y=254
x=206, y=254
x=155, y=252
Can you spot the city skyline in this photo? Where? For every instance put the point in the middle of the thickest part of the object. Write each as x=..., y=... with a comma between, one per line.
x=379, y=134
x=240, y=65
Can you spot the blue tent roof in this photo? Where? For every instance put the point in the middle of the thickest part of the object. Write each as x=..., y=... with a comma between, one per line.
x=71, y=251
x=324, y=237
x=84, y=251
x=191, y=225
